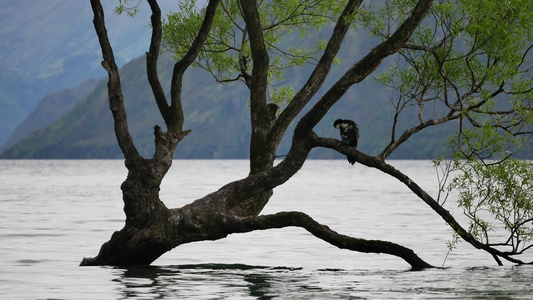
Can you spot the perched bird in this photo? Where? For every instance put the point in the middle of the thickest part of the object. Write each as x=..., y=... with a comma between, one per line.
x=349, y=134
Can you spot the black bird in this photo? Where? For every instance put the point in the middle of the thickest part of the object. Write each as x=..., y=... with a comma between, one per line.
x=349, y=134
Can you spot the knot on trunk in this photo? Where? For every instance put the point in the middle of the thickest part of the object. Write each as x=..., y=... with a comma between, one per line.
x=162, y=137
x=166, y=142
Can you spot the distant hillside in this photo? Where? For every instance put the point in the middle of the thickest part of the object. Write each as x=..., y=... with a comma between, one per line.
x=18, y=96
x=50, y=46
x=51, y=108
x=55, y=39
x=87, y=130
x=218, y=116
x=47, y=46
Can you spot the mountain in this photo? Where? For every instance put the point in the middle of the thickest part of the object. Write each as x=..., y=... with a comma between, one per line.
x=86, y=131
x=18, y=95
x=47, y=46
x=52, y=107
x=217, y=114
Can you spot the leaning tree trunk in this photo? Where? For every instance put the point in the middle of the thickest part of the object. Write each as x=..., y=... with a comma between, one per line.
x=144, y=237
x=151, y=228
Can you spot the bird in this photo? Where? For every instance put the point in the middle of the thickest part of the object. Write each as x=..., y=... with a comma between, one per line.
x=349, y=134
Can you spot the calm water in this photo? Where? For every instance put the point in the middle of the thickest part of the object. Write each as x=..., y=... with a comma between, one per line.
x=53, y=213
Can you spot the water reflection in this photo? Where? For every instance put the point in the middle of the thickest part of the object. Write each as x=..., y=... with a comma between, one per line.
x=238, y=281
x=217, y=281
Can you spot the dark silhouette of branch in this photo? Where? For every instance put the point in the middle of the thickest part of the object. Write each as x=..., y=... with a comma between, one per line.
x=116, y=98
x=323, y=232
x=317, y=77
x=380, y=164
x=185, y=62
x=364, y=67
x=152, y=57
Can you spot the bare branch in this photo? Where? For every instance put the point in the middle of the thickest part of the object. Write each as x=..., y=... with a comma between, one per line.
x=409, y=132
x=378, y=163
x=176, y=122
x=152, y=57
x=364, y=67
x=114, y=89
x=299, y=219
x=317, y=77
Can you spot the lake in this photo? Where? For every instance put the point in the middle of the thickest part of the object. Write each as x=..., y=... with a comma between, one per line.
x=55, y=212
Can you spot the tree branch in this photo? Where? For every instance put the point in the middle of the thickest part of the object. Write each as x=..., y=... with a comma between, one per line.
x=233, y=193
x=176, y=122
x=258, y=85
x=114, y=89
x=259, y=79
x=378, y=163
x=409, y=132
x=152, y=57
x=323, y=232
x=364, y=67
x=317, y=77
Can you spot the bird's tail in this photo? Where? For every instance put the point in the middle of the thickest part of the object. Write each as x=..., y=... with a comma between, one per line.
x=351, y=160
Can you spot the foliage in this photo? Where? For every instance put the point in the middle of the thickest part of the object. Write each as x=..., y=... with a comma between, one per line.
x=468, y=60
x=130, y=7
x=470, y=63
x=226, y=54
x=495, y=197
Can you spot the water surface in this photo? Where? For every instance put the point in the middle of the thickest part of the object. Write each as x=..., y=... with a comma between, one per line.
x=54, y=213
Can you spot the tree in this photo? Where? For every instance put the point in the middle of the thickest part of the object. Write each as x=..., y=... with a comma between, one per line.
x=470, y=65
x=240, y=41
